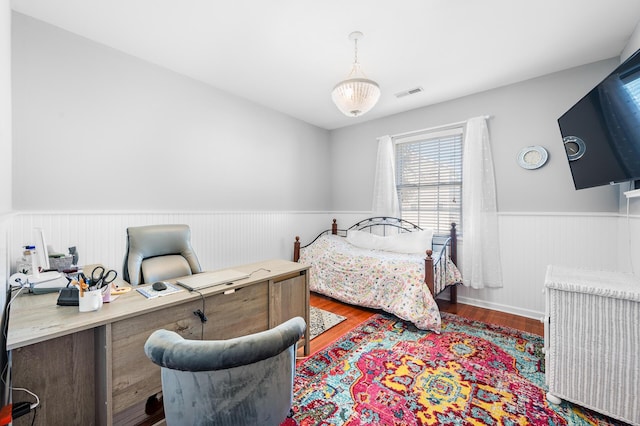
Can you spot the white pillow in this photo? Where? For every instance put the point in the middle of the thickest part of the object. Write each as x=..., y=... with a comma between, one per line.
x=407, y=242
x=365, y=240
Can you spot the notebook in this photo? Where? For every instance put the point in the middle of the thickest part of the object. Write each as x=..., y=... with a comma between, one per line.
x=210, y=279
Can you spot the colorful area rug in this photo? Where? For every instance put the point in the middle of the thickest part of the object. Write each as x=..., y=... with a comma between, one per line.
x=387, y=372
x=321, y=320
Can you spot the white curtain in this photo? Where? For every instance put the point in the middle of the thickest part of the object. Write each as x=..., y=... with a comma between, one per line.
x=481, y=265
x=385, y=195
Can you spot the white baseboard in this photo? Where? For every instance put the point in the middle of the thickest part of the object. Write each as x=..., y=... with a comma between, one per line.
x=502, y=308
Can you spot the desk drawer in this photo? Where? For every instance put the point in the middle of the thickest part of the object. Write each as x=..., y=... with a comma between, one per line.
x=242, y=312
x=135, y=377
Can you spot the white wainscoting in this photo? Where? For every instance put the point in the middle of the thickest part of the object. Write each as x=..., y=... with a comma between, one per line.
x=220, y=239
x=629, y=244
x=529, y=242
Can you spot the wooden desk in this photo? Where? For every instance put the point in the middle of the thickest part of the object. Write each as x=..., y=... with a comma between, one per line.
x=88, y=368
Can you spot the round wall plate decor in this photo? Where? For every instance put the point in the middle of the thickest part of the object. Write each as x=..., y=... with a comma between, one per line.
x=532, y=157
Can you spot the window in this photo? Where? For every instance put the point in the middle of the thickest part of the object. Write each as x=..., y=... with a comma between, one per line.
x=631, y=83
x=429, y=178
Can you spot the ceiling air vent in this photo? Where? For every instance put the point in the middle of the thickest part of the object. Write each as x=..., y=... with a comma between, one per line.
x=409, y=92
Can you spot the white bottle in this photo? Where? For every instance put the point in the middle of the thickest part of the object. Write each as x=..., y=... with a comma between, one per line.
x=30, y=255
x=25, y=264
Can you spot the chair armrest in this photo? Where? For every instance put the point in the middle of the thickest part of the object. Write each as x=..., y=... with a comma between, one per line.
x=170, y=350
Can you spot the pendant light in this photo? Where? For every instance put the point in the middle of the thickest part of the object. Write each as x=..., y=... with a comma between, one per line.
x=357, y=94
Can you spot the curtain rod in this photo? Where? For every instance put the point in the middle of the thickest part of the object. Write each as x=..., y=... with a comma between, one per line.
x=430, y=129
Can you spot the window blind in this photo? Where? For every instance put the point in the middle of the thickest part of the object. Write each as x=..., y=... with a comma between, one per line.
x=632, y=86
x=429, y=178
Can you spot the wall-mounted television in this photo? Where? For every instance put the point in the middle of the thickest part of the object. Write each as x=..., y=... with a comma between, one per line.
x=601, y=132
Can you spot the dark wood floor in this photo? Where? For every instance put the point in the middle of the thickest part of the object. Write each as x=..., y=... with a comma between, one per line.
x=356, y=315
x=529, y=325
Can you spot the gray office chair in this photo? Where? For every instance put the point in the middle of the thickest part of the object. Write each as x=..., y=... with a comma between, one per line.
x=158, y=252
x=243, y=381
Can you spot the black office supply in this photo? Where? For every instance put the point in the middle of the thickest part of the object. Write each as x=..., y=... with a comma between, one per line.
x=68, y=296
x=100, y=277
x=159, y=286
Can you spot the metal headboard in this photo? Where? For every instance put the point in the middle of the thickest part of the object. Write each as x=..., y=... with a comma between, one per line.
x=386, y=223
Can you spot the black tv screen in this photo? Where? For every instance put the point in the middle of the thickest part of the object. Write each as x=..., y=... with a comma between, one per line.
x=601, y=132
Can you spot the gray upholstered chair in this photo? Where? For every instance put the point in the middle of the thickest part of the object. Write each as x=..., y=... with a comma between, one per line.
x=158, y=252
x=243, y=381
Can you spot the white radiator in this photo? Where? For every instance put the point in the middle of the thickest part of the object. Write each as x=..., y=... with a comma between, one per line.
x=592, y=340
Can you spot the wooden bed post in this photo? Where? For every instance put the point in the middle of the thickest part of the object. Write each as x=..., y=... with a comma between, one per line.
x=296, y=249
x=453, y=290
x=334, y=227
x=453, y=294
x=428, y=271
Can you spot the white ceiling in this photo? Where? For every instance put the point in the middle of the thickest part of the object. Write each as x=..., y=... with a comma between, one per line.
x=288, y=54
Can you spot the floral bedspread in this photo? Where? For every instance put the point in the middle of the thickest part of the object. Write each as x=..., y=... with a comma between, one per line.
x=393, y=282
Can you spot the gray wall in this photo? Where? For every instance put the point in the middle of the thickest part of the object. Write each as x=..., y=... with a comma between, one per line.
x=96, y=129
x=522, y=114
x=88, y=118
x=5, y=141
x=5, y=107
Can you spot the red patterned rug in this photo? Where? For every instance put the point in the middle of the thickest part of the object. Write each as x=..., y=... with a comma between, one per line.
x=387, y=372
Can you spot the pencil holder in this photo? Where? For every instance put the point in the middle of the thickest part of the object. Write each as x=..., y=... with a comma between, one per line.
x=90, y=301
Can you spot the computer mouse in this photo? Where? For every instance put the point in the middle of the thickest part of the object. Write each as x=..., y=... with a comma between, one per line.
x=159, y=286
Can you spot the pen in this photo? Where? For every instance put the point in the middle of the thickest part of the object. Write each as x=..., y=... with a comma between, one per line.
x=83, y=286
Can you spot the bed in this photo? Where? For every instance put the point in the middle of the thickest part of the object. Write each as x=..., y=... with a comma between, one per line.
x=384, y=263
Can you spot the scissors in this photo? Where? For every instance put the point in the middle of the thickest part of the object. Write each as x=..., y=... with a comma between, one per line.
x=101, y=277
